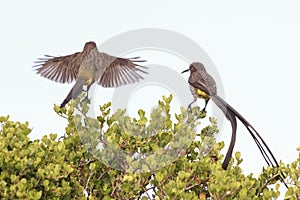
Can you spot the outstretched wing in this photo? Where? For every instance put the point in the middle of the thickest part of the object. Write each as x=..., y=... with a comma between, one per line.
x=119, y=71
x=62, y=69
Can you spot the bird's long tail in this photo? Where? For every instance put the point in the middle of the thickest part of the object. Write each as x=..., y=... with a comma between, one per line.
x=74, y=93
x=231, y=117
x=231, y=113
x=261, y=144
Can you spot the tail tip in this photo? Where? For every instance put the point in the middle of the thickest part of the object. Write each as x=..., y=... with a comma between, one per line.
x=62, y=104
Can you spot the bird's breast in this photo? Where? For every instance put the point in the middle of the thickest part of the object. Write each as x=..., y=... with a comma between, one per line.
x=86, y=73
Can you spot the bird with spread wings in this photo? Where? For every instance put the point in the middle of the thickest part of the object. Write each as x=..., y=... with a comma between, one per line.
x=90, y=66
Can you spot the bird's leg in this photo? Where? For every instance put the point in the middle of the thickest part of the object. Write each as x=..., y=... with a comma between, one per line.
x=86, y=98
x=87, y=90
x=190, y=105
x=206, y=102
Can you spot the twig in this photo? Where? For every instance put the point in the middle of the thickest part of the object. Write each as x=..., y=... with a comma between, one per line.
x=145, y=190
x=88, y=180
x=62, y=116
x=192, y=186
x=227, y=194
x=268, y=181
x=107, y=169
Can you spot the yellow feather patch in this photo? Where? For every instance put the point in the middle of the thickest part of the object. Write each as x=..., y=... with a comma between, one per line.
x=89, y=81
x=202, y=94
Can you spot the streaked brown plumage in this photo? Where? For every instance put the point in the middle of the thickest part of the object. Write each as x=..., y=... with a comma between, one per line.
x=202, y=83
x=90, y=66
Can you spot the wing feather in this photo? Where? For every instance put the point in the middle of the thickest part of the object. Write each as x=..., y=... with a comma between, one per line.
x=62, y=69
x=121, y=71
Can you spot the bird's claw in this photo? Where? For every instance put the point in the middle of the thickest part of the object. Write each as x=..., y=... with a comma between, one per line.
x=189, y=109
x=204, y=110
x=86, y=99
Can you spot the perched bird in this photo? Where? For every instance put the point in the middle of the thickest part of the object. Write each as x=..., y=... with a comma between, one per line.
x=202, y=85
x=87, y=67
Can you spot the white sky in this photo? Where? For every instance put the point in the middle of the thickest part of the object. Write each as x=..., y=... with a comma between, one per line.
x=255, y=47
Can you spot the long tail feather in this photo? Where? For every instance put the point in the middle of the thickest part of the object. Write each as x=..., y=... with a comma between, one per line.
x=74, y=93
x=261, y=144
x=249, y=127
x=231, y=117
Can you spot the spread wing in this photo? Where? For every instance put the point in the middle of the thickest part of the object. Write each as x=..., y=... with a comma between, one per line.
x=62, y=69
x=120, y=71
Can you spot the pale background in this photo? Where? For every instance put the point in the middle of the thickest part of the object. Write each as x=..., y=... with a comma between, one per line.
x=255, y=47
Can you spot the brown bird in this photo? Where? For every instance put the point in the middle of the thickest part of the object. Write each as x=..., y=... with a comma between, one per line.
x=203, y=86
x=87, y=67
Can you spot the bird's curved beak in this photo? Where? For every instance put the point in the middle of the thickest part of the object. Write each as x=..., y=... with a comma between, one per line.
x=185, y=71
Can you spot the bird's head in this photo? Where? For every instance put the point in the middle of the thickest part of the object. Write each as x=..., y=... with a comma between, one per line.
x=195, y=67
x=89, y=46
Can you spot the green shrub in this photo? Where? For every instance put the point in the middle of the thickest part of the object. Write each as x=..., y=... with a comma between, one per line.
x=176, y=160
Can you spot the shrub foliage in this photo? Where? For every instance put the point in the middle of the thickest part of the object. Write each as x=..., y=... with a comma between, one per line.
x=113, y=156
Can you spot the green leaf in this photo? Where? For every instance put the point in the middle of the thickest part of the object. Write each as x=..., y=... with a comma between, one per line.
x=168, y=160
